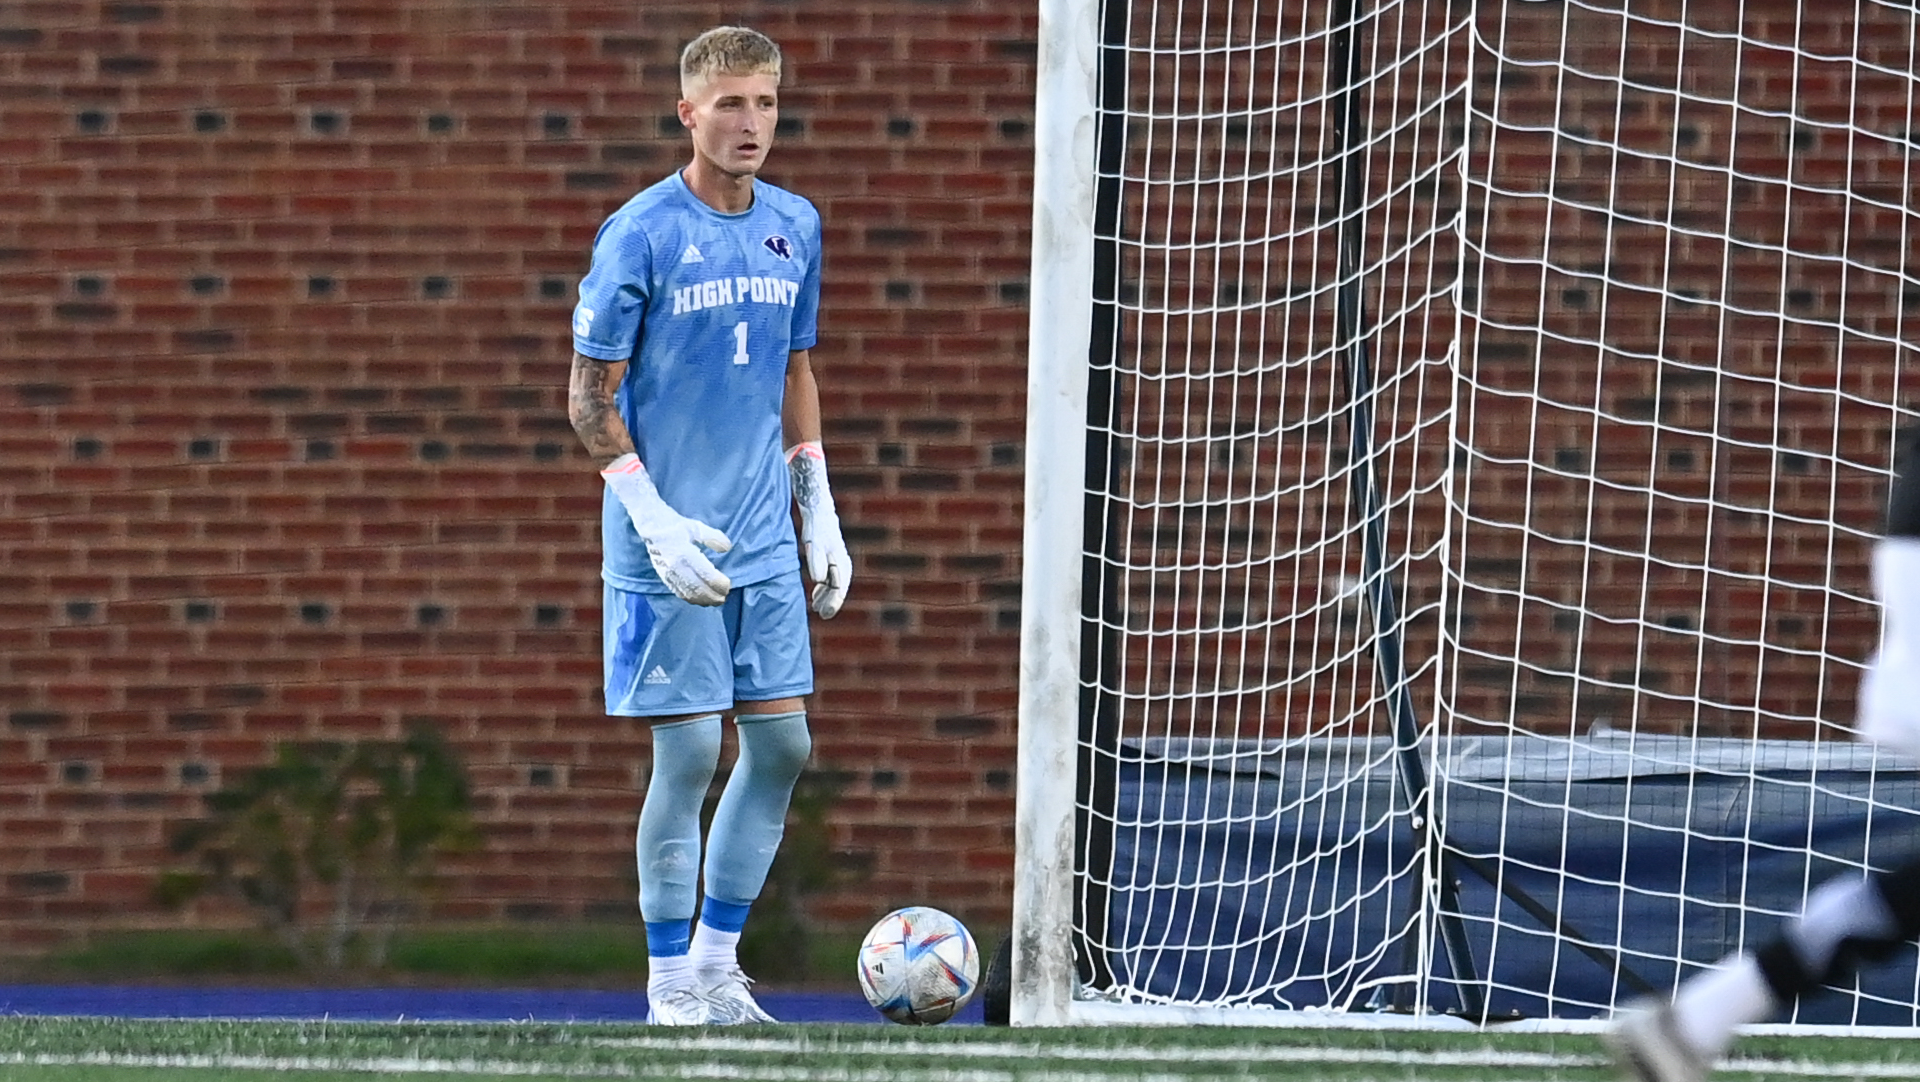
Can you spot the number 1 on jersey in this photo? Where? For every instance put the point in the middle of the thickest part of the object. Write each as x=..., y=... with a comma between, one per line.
x=740, y=343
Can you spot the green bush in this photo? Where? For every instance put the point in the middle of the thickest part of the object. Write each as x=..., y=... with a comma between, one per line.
x=173, y=954
x=331, y=843
x=507, y=955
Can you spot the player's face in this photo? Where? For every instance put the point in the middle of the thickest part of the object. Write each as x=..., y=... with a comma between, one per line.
x=732, y=119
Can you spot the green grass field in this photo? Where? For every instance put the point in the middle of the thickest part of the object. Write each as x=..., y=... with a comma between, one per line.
x=109, y=1050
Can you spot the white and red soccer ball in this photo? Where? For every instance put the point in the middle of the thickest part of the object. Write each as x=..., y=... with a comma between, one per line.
x=919, y=966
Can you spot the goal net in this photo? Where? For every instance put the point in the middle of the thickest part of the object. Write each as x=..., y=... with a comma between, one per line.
x=1484, y=411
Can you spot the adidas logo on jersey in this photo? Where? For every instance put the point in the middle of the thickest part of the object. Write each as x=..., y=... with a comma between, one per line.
x=692, y=255
x=659, y=676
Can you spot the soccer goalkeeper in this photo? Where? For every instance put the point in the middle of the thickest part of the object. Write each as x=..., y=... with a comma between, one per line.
x=1846, y=921
x=693, y=387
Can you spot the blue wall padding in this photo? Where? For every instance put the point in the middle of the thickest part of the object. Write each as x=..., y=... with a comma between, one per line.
x=1709, y=860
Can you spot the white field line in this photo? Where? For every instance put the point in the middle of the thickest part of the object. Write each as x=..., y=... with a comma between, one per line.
x=378, y=1065
x=409, y=1065
x=1250, y=1053
x=718, y=1072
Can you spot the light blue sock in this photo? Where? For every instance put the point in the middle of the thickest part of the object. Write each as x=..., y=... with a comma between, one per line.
x=752, y=816
x=667, y=846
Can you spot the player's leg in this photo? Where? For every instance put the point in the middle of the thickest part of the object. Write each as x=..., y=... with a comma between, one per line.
x=1890, y=689
x=773, y=668
x=1845, y=922
x=667, y=852
x=666, y=661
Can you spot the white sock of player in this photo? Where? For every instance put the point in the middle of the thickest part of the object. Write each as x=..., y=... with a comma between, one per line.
x=716, y=935
x=667, y=973
x=714, y=949
x=1711, y=1006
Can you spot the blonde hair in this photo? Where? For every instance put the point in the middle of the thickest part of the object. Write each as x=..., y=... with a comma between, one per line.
x=727, y=50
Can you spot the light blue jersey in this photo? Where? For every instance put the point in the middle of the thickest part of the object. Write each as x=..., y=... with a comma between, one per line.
x=706, y=307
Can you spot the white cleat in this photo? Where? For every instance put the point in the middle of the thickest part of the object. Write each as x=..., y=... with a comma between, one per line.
x=725, y=991
x=1647, y=1047
x=679, y=1007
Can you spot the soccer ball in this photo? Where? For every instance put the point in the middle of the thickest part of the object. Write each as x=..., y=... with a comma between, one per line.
x=919, y=966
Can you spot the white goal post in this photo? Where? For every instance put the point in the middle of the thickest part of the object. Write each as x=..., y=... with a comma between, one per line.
x=1456, y=434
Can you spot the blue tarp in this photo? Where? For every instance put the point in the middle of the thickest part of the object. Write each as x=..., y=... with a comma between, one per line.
x=1665, y=853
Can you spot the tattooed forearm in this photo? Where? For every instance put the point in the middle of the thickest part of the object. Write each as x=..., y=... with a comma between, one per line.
x=805, y=491
x=591, y=408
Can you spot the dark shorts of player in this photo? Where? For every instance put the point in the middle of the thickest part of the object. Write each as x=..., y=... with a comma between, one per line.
x=665, y=656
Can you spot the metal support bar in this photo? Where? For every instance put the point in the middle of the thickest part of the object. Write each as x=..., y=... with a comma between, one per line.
x=1097, y=785
x=1382, y=602
x=1560, y=926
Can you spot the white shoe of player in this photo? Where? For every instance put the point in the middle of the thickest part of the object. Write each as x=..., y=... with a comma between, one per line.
x=1647, y=1047
x=679, y=1007
x=1890, y=700
x=725, y=991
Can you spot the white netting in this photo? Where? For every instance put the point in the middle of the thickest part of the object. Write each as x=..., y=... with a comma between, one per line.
x=1625, y=295
x=1688, y=307
x=1231, y=544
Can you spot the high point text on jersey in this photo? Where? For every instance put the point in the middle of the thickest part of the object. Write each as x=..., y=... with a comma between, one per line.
x=720, y=291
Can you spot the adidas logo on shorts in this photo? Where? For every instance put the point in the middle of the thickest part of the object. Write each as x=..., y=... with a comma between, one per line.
x=658, y=676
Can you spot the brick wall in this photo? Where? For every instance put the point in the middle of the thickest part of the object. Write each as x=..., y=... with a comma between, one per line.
x=284, y=292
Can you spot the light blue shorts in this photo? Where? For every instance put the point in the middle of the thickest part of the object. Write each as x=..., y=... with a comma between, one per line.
x=666, y=656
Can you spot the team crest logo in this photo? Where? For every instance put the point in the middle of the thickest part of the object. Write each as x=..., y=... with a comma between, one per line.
x=778, y=245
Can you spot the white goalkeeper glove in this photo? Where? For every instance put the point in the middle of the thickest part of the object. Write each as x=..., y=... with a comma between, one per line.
x=673, y=540
x=822, y=549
